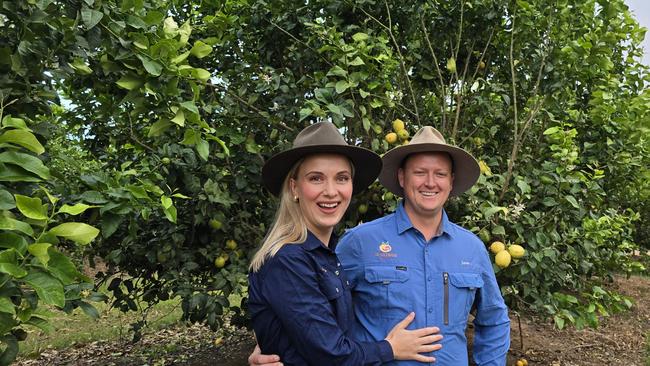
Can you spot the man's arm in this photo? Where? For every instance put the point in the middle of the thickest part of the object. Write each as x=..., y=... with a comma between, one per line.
x=492, y=324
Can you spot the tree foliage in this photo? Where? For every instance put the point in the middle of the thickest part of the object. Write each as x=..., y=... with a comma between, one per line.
x=174, y=106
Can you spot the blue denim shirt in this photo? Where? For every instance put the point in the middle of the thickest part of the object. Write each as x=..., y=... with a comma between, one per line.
x=301, y=309
x=394, y=270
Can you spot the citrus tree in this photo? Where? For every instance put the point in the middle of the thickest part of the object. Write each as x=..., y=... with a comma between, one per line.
x=178, y=104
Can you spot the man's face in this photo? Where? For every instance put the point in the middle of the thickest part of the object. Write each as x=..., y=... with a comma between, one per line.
x=427, y=180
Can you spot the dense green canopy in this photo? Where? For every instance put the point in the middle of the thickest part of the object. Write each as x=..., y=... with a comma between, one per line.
x=150, y=120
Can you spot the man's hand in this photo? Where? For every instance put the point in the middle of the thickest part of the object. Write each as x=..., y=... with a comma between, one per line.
x=258, y=359
x=409, y=344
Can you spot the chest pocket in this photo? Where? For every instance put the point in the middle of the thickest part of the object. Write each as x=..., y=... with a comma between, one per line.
x=388, y=293
x=460, y=296
x=336, y=289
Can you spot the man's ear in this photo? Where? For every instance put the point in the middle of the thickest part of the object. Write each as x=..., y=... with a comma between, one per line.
x=400, y=177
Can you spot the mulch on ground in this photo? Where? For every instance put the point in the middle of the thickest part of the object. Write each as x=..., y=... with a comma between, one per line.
x=620, y=340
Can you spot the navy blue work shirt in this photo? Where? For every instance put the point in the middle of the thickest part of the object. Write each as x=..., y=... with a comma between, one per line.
x=301, y=309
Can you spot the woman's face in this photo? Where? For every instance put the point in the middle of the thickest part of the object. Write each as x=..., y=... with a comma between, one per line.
x=323, y=185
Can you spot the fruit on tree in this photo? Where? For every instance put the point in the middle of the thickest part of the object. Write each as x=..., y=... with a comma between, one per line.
x=398, y=125
x=219, y=262
x=497, y=247
x=391, y=137
x=363, y=208
x=215, y=224
x=403, y=134
x=451, y=65
x=231, y=244
x=516, y=251
x=502, y=259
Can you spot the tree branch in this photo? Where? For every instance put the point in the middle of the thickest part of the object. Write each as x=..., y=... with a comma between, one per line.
x=443, y=91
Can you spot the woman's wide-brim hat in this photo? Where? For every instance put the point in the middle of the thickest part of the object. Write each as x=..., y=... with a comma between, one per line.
x=321, y=138
x=428, y=139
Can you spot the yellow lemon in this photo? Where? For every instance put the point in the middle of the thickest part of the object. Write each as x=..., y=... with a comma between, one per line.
x=485, y=169
x=391, y=138
x=215, y=224
x=219, y=262
x=502, y=259
x=398, y=125
x=231, y=244
x=451, y=65
x=403, y=134
x=516, y=251
x=363, y=208
x=497, y=247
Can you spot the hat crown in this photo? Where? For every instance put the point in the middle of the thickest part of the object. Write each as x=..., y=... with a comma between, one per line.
x=321, y=133
x=428, y=135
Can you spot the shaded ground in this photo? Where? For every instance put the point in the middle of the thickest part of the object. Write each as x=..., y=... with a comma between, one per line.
x=621, y=340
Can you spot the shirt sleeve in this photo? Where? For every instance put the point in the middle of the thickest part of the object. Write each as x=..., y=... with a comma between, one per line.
x=492, y=324
x=292, y=290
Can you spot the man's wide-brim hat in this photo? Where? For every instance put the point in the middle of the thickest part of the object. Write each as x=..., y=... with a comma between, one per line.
x=428, y=139
x=321, y=138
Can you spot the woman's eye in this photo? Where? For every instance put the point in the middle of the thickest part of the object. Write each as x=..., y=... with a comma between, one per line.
x=344, y=178
x=315, y=178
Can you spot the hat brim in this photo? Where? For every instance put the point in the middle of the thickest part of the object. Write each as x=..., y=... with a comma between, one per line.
x=367, y=165
x=466, y=168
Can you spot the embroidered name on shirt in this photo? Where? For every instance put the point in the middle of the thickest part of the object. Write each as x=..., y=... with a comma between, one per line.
x=465, y=263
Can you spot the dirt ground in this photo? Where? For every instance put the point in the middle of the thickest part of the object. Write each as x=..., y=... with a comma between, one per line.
x=621, y=339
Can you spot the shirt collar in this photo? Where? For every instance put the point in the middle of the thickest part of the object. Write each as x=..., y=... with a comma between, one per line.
x=404, y=223
x=313, y=243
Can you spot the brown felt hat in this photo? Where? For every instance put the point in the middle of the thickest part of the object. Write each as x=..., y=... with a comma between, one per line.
x=321, y=137
x=428, y=139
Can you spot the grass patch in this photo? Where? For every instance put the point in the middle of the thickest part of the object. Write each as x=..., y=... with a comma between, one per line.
x=78, y=328
x=647, y=349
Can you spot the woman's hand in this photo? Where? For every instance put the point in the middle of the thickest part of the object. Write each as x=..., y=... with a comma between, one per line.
x=409, y=344
x=258, y=359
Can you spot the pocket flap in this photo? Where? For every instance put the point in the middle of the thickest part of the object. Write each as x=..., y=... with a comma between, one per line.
x=471, y=280
x=385, y=274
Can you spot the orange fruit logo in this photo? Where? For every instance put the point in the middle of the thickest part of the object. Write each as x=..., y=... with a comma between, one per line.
x=385, y=247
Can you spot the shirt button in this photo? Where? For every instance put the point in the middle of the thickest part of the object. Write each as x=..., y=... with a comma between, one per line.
x=337, y=290
x=429, y=278
x=336, y=272
x=430, y=310
x=338, y=264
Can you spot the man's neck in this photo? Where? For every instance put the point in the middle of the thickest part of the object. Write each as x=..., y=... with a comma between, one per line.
x=429, y=224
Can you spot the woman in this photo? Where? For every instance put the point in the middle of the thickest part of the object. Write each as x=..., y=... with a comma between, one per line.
x=299, y=299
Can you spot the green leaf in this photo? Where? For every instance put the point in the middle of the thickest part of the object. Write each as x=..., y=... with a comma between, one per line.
x=48, y=288
x=11, y=351
x=76, y=209
x=11, y=224
x=180, y=58
x=189, y=105
x=203, y=149
x=18, y=123
x=572, y=201
x=13, y=270
x=23, y=138
x=170, y=214
x=62, y=267
x=91, y=17
x=13, y=241
x=129, y=82
x=179, y=118
x=28, y=162
x=356, y=62
x=153, y=67
x=80, y=67
x=31, y=207
x=551, y=130
x=6, y=306
x=358, y=37
x=40, y=323
x=200, y=49
x=341, y=86
x=39, y=250
x=170, y=27
x=559, y=321
x=7, y=201
x=201, y=74
x=137, y=191
x=90, y=310
x=159, y=128
x=337, y=71
x=78, y=232
x=166, y=202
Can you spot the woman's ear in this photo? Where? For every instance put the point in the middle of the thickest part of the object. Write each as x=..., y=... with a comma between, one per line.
x=292, y=186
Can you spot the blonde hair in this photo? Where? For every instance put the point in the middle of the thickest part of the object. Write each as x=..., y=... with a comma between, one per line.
x=288, y=226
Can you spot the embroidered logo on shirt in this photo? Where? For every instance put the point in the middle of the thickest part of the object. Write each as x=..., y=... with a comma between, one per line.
x=384, y=247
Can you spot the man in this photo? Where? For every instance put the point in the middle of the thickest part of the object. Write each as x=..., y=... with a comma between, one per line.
x=415, y=259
